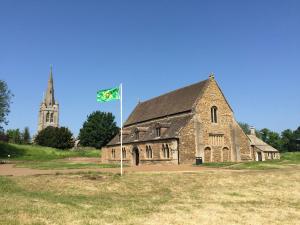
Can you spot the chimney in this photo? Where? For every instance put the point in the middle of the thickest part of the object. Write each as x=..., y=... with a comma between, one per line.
x=252, y=131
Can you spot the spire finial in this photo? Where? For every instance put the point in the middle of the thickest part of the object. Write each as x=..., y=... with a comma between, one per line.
x=212, y=76
x=51, y=68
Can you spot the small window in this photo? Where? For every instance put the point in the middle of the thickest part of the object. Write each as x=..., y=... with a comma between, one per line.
x=123, y=153
x=113, y=153
x=47, y=117
x=166, y=151
x=158, y=131
x=214, y=116
x=137, y=135
x=149, y=154
x=51, y=118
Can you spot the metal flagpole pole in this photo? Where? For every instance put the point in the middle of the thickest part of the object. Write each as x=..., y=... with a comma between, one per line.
x=121, y=137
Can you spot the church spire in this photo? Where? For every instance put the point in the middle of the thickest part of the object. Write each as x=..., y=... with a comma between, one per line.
x=49, y=98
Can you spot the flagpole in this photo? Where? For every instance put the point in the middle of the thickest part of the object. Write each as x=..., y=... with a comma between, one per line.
x=121, y=137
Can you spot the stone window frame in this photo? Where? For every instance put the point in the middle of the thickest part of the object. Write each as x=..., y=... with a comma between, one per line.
x=166, y=151
x=48, y=116
x=214, y=114
x=124, y=153
x=136, y=135
x=149, y=152
x=113, y=153
x=158, y=131
x=51, y=117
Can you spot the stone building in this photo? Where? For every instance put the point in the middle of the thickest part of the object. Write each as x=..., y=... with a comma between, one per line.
x=49, y=108
x=261, y=150
x=193, y=121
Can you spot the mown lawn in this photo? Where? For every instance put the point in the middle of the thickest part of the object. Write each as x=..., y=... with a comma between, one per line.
x=40, y=153
x=206, y=197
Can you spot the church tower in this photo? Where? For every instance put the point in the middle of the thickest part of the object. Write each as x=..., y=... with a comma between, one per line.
x=49, y=108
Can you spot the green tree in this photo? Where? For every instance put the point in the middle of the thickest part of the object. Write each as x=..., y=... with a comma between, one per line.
x=5, y=101
x=272, y=138
x=98, y=129
x=264, y=134
x=26, y=136
x=245, y=127
x=287, y=137
x=55, y=137
x=14, y=136
x=296, y=139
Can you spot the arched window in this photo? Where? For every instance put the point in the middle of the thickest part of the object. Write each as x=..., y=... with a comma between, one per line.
x=166, y=151
x=51, y=118
x=47, y=117
x=124, y=153
x=214, y=114
x=149, y=152
x=136, y=135
x=113, y=153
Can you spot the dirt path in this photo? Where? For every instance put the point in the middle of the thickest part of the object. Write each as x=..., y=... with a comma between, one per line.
x=11, y=170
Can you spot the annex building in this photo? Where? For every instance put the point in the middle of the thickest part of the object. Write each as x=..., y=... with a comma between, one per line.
x=193, y=121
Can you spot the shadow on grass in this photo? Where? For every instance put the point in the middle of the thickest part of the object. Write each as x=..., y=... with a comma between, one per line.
x=13, y=151
x=40, y=153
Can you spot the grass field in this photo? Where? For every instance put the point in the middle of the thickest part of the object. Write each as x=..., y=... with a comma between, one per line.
x=288, y=159
x=39, y=153
x=241, y=193
x=207, y=197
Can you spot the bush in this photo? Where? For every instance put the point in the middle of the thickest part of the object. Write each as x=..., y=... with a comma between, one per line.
x=55, y=137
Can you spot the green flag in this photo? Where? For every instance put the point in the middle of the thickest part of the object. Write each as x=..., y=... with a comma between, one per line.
x=108, y=95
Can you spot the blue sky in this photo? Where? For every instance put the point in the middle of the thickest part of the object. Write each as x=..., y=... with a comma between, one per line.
x=152, y=47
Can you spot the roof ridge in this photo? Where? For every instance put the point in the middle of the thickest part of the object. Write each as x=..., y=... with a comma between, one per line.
x=173, y=91
x=173, y=102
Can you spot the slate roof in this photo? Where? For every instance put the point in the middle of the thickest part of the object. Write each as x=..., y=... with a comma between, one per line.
x=148, y=132
x=174, y=102
x=260, y=144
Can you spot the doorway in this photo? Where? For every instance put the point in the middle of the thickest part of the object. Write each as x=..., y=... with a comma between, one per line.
x=259, y=156
x=135, y=156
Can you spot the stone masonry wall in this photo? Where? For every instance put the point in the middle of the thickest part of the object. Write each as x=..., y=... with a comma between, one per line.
x=187, y=149
x=157, y=152
x=224, y=139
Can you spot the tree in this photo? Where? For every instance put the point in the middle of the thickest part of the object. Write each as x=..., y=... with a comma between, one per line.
x=245, y=127
x=296, y=140
x=26, y=136
x=272, y=138
x=264, y=134
x=5, y=101
x=287, y=140
x=14, y=136
x=55, y=137
x=98, y=129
